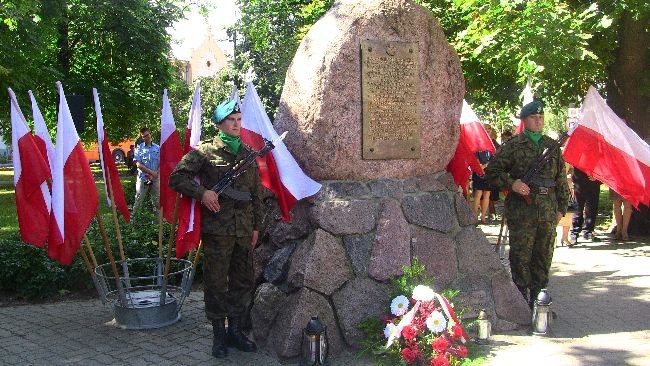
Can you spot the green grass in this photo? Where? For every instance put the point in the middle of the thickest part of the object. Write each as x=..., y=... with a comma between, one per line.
x=605, y=216
x=8, y=219
x=6, y=178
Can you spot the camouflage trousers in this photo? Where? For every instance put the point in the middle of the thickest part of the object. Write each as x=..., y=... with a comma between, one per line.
x=227, y=275
x=531, y=253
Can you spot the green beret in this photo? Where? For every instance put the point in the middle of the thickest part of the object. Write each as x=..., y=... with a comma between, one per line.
x=534, y=107
x=223, y=110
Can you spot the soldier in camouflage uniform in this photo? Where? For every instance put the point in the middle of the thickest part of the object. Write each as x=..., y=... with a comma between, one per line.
x=531, y=227
x=230, y=226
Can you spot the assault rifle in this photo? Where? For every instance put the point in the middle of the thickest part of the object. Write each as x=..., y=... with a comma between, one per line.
x=223, y=185
x=537, y=165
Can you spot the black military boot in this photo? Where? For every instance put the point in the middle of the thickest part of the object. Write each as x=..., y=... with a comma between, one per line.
x=219, y=349
x=533, y=296
x=237, y=339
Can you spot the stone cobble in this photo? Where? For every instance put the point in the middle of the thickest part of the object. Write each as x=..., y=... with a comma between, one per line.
x=601, y=296
x=600, y=291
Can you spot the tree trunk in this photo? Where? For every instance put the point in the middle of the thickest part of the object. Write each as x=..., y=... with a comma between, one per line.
x=627, y=73
x=624, y=91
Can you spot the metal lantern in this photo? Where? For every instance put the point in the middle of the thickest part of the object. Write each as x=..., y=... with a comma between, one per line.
x=542, y=314
x=314, y=343
x=484, y=328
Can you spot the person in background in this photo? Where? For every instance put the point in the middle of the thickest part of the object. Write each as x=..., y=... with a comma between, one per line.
x=622, y=215
x=129, y=160
x=565, y=221
x=532, y=225
x=505, y=136
x=481, y=188
x=230, y=226
x=587, y=193
x=494, y=192
x=147, y=161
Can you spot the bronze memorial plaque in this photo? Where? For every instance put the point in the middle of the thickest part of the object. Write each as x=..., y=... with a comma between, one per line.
x=390, y=92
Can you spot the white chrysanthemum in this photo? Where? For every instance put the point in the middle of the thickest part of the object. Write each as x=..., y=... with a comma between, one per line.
x=390, y=330
x=400, y=305
x=436, y=322
x=423, y=293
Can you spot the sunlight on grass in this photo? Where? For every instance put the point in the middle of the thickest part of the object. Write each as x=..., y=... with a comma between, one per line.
x=6, y=178
x=605, y=217
x=8, y=219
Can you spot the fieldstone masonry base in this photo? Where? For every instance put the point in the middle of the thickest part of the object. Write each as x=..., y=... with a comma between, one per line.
x=336, y=256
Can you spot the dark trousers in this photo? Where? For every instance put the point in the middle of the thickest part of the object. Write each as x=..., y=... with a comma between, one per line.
x=227, y=275
x=585, y=218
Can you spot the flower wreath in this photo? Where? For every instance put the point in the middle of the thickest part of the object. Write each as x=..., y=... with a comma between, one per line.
x=429, y=331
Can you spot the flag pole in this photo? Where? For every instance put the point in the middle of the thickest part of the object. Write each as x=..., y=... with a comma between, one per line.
x=90, y=250
x=160, y=231
x=111, y=259
x=172, y=235
x=116, y=222
x=89, y=266
x=198, y=254
x=91, y=272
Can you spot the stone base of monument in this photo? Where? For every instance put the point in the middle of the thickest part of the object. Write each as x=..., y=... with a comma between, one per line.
x=335, y=258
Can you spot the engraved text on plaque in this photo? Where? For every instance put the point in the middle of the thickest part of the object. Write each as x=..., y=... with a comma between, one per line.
x=390, y=92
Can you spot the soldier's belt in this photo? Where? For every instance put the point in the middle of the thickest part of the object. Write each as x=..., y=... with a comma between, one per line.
x=542, y=190
x=236, y=195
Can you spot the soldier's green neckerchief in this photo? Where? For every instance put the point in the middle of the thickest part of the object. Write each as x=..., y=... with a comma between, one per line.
x=535, y=137
x=234, y=143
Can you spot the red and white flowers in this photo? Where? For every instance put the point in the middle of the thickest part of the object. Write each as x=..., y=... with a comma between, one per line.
x=428, y=332
x=399, y=306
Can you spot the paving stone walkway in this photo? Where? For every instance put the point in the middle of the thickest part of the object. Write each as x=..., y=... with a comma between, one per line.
x=601, y=294
x=600, y=291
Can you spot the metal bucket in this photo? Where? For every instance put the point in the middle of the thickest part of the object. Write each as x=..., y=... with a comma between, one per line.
x=142, y=298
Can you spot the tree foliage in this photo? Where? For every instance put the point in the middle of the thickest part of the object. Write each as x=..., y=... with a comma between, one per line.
x=563, y=46
x=121, y=47
x=271, y=31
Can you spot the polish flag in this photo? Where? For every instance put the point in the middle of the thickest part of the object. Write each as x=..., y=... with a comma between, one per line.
x=32, y=193
x=234, y=95
x=41, y=133
x=279, y=171
x=604, y=147
x=108, y=165
x=171, y=152
x=74, y=195
x=473, y=138
x=189, y=209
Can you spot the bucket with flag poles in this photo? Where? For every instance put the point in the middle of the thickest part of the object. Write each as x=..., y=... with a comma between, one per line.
x=142, y=306
x=145, y=293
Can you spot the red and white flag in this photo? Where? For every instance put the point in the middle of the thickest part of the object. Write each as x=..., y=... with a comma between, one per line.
x=41, y=133
x=171, y=152
x=604, y=147
x=473, y=138
x=108, y=165
x=234, y=95
x=31, y=174
x=279, y=171
x=74, y=195
x=189, y=209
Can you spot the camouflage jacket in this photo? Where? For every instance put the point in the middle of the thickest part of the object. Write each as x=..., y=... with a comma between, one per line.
x=512, y=161
x=209, y=162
